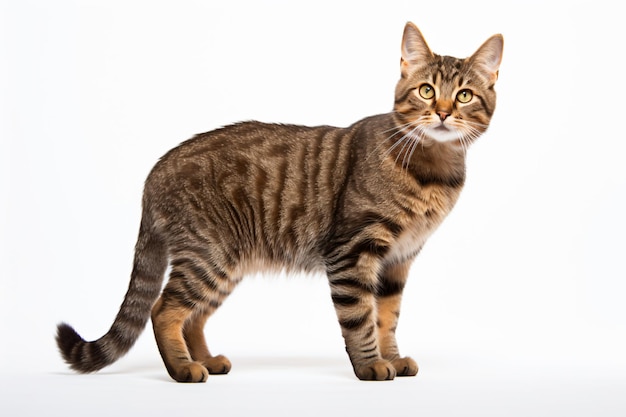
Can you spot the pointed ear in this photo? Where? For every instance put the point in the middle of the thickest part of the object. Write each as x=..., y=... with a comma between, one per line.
x=488, y=57
x=415, y=51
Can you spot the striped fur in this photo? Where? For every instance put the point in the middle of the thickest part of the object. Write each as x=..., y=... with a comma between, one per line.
x=356, y=203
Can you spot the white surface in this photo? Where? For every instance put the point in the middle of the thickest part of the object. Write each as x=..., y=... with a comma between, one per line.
x=515, y=307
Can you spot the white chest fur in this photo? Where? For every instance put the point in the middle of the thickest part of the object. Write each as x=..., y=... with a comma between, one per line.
x=430, y=209
x=407, y=245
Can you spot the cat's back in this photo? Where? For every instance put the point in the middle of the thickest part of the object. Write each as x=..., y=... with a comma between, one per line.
x=242, y=144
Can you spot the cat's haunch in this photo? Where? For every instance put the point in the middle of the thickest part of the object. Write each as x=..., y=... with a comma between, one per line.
x=355, y=203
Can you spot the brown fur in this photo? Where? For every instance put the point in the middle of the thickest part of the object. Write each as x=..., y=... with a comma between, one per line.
x=356, y=203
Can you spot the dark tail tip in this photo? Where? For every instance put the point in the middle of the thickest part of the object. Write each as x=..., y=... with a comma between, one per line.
x=69, y=343
x=82, y=356
x=67, y=340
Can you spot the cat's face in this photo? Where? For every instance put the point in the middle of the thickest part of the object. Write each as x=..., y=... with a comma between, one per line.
x=446, y=99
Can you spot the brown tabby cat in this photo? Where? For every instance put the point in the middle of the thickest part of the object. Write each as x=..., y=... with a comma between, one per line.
x=356, y=203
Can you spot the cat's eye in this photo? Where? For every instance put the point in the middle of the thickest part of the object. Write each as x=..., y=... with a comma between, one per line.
x=427, y=91
x=464, y=96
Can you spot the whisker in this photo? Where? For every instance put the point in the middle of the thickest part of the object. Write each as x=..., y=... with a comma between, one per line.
x=399, y=130
x=469, y=122
x=460, y=137
x=412, y=134
x=397, y=143
x=468, y=135
x=407, y=142
x=399, y=127
x=416, y=141
x=473, y=134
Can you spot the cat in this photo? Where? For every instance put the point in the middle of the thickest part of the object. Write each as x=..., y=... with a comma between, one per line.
x=355, y=203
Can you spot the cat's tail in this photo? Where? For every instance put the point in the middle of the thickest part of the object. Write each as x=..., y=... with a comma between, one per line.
x=145, y=286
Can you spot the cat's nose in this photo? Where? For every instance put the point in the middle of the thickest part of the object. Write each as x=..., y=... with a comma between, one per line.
x=443, y=115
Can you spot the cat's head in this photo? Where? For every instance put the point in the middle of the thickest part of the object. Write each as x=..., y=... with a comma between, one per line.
x=442, y=98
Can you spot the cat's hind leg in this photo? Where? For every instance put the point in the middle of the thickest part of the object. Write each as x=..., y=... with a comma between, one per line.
x=195, y=290
x=196, y=343
x=168, y=318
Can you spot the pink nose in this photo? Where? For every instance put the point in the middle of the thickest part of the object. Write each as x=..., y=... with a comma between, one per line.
x=443, y=115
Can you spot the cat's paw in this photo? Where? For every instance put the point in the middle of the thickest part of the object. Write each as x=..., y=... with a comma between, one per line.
x=191, y=372
x=217, y=365
x=405, y=366
x=380, y=370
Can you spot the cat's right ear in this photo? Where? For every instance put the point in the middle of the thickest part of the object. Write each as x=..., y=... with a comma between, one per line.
x=415, y=50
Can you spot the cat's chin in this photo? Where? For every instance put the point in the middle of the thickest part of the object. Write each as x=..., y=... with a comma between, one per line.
x=442, y=134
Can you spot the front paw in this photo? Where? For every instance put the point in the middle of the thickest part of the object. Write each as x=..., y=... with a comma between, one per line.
x=405, y=366
x=217, y=364
x=381, y=370
x=190, y=372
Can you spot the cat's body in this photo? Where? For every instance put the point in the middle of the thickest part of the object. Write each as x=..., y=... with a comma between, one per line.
x=355, y=203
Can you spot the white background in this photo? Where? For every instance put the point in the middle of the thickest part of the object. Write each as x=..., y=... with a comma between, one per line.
x=516, y=305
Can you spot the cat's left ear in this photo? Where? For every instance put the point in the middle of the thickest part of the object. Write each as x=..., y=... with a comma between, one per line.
x=488, y=57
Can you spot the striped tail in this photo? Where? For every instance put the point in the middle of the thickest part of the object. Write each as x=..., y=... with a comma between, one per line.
x=145, y=286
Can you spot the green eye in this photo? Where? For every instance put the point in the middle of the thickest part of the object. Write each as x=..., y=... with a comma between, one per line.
x=427, y=91
x=464, y=96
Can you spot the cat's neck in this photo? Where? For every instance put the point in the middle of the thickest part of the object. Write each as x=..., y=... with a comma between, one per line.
x=427, y=160
x=438, y=163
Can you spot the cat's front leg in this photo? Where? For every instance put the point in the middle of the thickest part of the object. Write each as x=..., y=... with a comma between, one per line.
x=392, y=281
x=354, y=283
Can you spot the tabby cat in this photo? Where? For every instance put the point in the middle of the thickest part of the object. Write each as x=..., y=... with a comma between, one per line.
x=355, y=203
